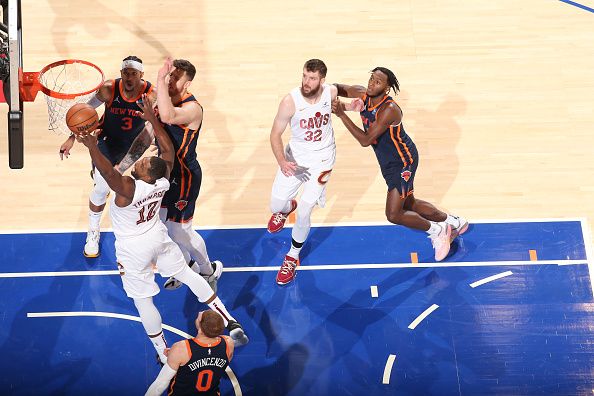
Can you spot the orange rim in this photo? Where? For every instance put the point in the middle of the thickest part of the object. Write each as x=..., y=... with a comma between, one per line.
x=60, y=95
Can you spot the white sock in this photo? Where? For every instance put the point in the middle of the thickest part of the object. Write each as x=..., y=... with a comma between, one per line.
x=94, y=219
x=294, y=251
x=160, y=344
x=454, y=221
x=218, y=306
x=435, y=228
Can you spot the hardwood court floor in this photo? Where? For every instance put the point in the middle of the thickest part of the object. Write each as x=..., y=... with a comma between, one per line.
x=497, y=95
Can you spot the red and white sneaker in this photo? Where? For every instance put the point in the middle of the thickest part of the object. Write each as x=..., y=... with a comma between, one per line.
x=287, y=271
x=277, y=220
x=459, y=228
x=441, y=242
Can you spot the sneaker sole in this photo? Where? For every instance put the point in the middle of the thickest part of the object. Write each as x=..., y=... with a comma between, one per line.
x=90, y=255
x=463, y=229
x=280, y=283
x=448, y=248
x=172, y=285
x=456, y=234
x=238, y=336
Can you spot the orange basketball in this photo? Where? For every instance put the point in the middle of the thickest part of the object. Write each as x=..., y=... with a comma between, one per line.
x=82, y=119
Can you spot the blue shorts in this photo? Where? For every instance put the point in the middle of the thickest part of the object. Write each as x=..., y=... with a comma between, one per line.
x=399, y=176
x=180, y=199
x=114, y=153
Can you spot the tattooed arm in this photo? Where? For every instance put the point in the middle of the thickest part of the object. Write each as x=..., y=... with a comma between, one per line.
x=138, y=147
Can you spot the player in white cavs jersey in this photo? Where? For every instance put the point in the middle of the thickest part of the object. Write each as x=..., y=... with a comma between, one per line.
x=142, y=239
x=306, y=161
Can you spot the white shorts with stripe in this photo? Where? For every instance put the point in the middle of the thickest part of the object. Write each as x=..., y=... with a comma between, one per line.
x=313, y=173
x=136, y=255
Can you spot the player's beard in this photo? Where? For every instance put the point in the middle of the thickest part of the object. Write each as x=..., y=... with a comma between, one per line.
x=313, y=93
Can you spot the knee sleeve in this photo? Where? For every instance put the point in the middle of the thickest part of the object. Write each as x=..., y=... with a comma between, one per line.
x=100, y=191
x=279, y=205
x=302, y=221
x=189, y=241
x=149, y=315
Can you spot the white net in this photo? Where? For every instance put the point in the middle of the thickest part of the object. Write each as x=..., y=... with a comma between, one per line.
x=69, y=79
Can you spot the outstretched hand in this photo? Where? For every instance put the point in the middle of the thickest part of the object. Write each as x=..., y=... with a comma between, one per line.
x=337, y=107
x=356, y=104
x=166, y=68
x=89, y=139
x=146, y=105
x=65, y=148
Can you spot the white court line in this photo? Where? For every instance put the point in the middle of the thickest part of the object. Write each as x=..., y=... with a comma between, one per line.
x=230, y=373
x=341, y=224
x=321, y=267
x=422, y=316
x=60, y=273
x=388, y=369
x=586, y=233
x=490, y=279
x=374, y=292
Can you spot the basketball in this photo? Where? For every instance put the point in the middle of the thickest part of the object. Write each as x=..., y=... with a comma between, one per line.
x=82, y=119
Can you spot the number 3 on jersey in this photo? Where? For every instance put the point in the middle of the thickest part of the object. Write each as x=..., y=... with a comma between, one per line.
x=313, y=136
x=152, y=210
x=126, y=123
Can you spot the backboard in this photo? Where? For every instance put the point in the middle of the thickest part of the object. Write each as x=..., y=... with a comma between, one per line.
x=11, y=63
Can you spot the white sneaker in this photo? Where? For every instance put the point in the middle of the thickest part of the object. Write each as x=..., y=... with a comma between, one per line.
x=217, y=271
x=459, y=228
x=441, y=242
x=172, y=284
x=91, y=249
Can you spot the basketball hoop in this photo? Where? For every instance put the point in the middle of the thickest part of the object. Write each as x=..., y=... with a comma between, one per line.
x=64, y=84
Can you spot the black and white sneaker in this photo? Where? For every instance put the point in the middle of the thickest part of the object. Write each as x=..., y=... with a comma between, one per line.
x=237, y=334
x=217, y=271
x=172, y=284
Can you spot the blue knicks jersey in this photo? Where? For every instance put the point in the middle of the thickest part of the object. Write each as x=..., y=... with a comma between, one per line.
x=393, y=147
x=121, y=120
x=184, y=142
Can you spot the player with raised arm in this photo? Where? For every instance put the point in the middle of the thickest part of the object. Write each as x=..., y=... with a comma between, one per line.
x=120, y=125
x=141, y=237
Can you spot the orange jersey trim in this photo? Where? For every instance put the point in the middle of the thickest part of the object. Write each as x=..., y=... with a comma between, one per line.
x=404, y=145
x=189, y=173
x=188, y=348
x=227, y=348
x=113, y=87
x=171, y=386
x=396, y=144
x=379, y=104
x=182, y=221
x=205, y=345
x=181, y=163
x=137, y=96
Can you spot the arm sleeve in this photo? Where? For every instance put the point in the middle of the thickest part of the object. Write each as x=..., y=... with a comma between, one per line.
x=94, y=101
x=160, y=384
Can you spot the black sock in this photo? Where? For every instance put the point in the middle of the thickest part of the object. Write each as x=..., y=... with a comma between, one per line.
x=295, y=244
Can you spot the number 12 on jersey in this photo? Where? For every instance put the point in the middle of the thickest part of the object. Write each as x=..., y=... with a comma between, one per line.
x=151, y=211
